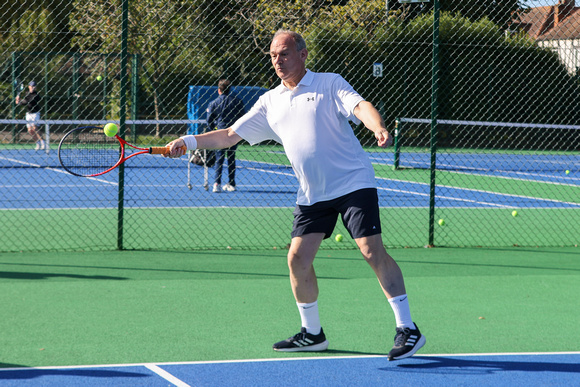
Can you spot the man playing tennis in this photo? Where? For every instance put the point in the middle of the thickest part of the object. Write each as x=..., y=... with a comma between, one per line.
x=308, y=114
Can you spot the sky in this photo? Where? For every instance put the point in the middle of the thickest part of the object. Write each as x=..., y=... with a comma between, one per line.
x=541, y=3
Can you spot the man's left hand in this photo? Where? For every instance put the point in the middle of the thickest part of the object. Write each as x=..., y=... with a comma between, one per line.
x=384, y=139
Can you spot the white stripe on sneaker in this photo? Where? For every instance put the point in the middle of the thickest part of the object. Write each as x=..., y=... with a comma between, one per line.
x=411, y=340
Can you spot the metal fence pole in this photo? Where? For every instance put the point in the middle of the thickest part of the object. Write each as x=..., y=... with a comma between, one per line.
x=434, y=116
x=122, y=113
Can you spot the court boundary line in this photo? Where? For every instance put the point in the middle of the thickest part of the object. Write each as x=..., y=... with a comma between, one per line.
x=478, y=190
x=288, y=359
x=166, y=375
x=527, y=180
x=277, y=207
x=504, y=172
x=484, y=203
x=447, y=198
x=52, y=169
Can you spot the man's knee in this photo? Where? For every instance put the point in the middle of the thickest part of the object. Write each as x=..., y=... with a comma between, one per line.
x=372, y=249
x=298, y=261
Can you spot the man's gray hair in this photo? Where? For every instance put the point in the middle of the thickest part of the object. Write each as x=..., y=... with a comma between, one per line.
x=298, y=39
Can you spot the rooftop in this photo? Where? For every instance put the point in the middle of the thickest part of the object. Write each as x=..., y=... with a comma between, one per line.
x=557, y=22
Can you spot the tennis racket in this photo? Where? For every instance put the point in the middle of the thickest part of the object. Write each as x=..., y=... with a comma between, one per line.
x=88, y=152
x=18, y=86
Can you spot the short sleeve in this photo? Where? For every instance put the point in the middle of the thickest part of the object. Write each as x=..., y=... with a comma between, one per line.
x=253, y=126
x=346, y=98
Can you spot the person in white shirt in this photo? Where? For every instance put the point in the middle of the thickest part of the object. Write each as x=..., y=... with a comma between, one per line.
x=32, y=101
x=308, y=114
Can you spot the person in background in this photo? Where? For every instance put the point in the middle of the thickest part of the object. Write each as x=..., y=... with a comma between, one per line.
x=221, y=114
x=32, y=102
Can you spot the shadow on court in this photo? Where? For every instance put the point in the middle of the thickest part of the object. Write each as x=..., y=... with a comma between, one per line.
x=482, y=366
x=15, y=275
x=103, y=374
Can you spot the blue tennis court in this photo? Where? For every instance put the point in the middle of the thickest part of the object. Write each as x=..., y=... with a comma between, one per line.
x=157, y=182
x=542, y=369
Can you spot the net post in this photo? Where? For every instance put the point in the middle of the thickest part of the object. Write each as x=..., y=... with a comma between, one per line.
x=135, y=63
x=47, y=137
x=76, y=83
x=397, y=144
x=15, y=91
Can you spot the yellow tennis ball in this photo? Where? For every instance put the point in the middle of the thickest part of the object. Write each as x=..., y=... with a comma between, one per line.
x=567, y=172
x=99, y=78
x=110, y=129
x=441, y=222
x=338, y=238
x=514, y=213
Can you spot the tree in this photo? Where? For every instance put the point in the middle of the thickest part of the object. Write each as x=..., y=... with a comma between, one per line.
x=499, y=12
x=181, y=42
x=34, y=25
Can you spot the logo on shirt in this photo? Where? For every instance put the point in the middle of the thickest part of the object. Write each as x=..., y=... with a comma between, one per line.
x=309, y=98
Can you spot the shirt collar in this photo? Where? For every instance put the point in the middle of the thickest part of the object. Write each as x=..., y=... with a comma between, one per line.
x=307, y=78
x=305, y=81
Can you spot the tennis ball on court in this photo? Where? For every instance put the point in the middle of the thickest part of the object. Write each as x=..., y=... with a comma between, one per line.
x=338, y=238
x=567, y=172
x=441, y=222
x=514, y=213
x=99, y=78
x=110, y=129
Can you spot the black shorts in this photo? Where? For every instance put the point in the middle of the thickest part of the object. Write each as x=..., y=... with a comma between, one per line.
x=359, y=211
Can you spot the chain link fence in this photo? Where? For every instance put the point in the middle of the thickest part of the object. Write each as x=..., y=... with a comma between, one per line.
x=483, y=99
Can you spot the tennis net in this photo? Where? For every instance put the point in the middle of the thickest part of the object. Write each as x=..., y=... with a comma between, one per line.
x=482, y=146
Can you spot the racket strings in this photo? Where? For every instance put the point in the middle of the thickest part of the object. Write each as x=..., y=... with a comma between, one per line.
x=89, y=159
x=86, y=153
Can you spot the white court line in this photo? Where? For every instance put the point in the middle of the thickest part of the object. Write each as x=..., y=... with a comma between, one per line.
x=378, y=178
x=409, y=192
x=446, y=197
x=166, y=375
x=272, y=172
x=452, y=187
x=441, y=197
x=254, y=207
x=53, y=169
x=528, y=179
x=476, y=190
x=369, y=357
x=419, y=355
x=496, y=171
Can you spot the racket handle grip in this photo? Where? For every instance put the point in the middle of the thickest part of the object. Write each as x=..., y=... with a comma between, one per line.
x=163, y=150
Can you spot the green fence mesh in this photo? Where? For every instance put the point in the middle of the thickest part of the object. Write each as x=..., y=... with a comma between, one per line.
x=483, y=97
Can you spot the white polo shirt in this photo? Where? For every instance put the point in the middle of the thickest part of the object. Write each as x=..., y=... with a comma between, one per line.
x=311, y=122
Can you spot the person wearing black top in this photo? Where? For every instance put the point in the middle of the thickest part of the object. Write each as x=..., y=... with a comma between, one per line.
x=32, y=102
x=222, y=113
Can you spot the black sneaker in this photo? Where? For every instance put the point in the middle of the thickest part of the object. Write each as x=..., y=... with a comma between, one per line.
x=303, y=341
x=407, y=342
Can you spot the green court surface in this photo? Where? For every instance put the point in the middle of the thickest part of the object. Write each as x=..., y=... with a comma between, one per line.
x=113, y=307
x=68, y=230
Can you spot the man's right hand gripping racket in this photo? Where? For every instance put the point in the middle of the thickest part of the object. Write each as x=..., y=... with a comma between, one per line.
x=88, y=152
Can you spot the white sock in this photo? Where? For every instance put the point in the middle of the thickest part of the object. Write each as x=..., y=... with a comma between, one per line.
x=309, y=316
x=400, y=305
